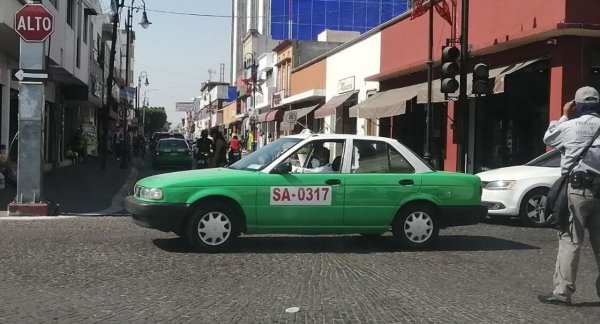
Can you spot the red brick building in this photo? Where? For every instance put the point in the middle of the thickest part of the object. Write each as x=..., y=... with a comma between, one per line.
x=539, y=53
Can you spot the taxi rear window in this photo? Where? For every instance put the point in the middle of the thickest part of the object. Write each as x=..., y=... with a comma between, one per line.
x=172, y=144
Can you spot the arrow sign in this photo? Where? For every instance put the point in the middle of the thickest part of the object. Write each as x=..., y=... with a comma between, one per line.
x=31, y=75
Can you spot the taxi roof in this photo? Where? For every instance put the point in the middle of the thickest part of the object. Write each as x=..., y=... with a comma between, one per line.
x=338, y=136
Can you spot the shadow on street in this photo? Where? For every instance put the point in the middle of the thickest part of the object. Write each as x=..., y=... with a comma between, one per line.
x=587, y=304
x=348, y=244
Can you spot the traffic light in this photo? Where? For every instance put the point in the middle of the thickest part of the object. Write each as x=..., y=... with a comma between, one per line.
x=481, y=78
x=450, y=69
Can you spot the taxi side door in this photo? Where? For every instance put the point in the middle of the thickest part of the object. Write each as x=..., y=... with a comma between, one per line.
x=380, y=178
x=309, y=201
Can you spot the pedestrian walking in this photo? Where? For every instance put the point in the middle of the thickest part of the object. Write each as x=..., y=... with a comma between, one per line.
x=573, y=135
x=118, y=143
x=220, y=145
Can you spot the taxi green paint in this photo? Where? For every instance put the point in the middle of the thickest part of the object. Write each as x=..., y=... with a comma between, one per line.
x=360, y=203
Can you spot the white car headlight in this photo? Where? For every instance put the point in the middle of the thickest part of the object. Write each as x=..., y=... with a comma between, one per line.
x=151, y=193
x=500, y=185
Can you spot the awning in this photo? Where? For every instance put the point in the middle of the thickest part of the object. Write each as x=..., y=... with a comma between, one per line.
x=300, y=113
x=497, y=74
x=385, y=104
x=271, y=115
x=330, y=106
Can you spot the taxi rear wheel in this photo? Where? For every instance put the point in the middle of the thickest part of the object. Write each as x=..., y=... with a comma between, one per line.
x=212, y=227
x=416, y=226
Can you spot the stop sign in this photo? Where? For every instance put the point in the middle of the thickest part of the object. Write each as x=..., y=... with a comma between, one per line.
x=34, y=23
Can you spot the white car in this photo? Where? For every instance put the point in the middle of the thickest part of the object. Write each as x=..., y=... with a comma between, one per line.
x=520, y=191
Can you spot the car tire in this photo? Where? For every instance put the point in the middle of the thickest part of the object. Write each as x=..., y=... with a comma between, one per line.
x=532, y=208
x=212, y=227
x=416, y=226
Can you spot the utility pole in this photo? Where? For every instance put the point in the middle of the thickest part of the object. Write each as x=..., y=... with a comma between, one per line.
x=427, y=153
x=126, y=154
x=463, y=100
x=109, y=84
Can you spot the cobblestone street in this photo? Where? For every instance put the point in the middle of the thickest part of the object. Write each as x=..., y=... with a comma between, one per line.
x=106, y=269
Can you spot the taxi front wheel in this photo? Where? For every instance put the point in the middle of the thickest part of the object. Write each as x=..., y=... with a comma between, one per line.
x=416, y=226
x=212, y=227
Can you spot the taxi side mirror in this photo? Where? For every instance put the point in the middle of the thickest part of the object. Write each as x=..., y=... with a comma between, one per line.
x=283, y=168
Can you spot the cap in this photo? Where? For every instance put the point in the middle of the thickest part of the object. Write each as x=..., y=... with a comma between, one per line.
x=587, y=95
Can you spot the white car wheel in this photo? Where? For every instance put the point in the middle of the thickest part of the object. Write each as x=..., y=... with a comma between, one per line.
x=531, y=212
x=214, y=228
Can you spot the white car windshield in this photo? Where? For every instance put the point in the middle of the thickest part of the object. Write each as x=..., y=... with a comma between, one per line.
x=265, y=155
x=549, y=159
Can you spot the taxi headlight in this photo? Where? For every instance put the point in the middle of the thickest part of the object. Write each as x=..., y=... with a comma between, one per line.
x=500, y=185
x=151, y=193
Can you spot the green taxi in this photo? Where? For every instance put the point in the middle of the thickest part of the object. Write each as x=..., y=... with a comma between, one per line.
x=310, y=184
x=172, y=152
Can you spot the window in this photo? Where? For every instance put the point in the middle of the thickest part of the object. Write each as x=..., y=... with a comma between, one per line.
x=70, y=9
x=378, y=157
x=86, y=22
x=318, y=157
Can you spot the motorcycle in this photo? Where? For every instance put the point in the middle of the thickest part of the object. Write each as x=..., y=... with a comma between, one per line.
x=203, y=160
x=234, y=156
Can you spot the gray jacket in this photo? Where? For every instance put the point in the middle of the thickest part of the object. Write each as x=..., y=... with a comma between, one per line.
x=571, y=137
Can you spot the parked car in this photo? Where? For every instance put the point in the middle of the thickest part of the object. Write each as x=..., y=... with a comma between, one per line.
x=370, y=184
x=160, y=135
x=521, y=191
x=172, y=152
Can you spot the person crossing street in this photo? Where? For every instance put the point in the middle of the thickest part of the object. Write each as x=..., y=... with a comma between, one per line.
x=571, y=134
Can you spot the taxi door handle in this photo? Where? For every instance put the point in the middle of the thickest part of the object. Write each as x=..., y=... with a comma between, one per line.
x=406, y=182
x=333, y=181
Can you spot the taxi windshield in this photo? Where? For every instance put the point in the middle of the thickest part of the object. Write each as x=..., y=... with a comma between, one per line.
x=265, y=155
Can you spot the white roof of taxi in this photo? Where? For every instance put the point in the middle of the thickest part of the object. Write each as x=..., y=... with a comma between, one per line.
x=325, y=136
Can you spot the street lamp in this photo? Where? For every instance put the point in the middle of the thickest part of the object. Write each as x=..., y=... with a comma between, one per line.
x=145, y=23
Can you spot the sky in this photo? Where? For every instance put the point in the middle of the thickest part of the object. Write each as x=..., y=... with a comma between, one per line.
x=177, y=51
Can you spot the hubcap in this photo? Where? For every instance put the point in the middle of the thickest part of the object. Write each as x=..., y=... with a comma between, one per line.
x=535, y=209
x=214, y=228
x=418, y=227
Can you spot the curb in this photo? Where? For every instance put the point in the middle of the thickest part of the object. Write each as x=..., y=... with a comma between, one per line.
x=117, y=205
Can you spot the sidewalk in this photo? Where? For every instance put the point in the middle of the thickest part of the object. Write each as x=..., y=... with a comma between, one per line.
x=84, y=189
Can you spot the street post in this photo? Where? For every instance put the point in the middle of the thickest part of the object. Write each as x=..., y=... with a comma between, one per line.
x=34, y=23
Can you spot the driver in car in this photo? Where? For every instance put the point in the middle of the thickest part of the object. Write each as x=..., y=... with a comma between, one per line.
x=320, y=163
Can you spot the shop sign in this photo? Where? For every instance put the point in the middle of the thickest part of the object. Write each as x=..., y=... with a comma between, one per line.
x=184, y=106
x=89, y=132
x=346, y=85
x=96, y=86
x=260, y=98
x=127, y=94
x=277, y=98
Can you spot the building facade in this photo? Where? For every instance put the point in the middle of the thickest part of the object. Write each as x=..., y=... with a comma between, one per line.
x=77, y=62
x=306, y=19
x=534, y=70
